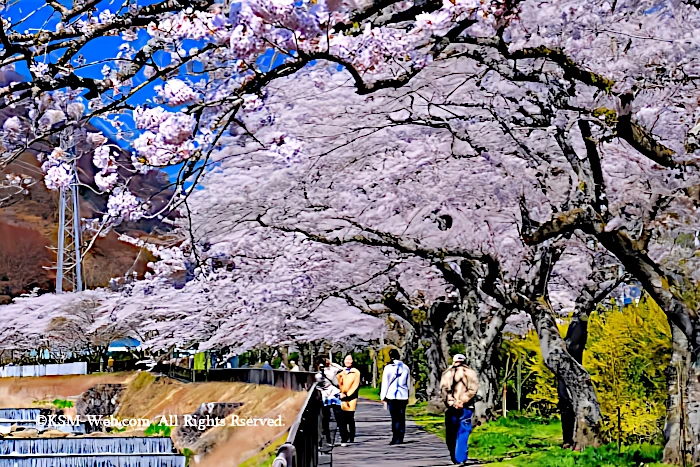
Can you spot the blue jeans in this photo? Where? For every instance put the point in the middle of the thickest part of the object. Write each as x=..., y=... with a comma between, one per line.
x=458, y=427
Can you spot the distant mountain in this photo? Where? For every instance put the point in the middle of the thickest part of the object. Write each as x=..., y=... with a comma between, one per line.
x=29, y=222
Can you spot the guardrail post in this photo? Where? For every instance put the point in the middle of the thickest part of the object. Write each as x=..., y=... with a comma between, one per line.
x=286, y=456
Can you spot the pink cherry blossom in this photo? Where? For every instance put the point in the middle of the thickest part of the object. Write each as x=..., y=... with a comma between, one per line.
x=177, y=128
x=12, y=125
x=149, y=118
x=177, y=92
x=123, y=205
x=106, y=181
x=103, y=157
x=58, y=176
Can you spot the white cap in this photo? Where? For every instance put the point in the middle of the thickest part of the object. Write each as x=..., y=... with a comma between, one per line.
x=458, y=358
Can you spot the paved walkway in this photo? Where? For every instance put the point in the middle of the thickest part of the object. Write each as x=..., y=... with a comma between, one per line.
x=371, y=447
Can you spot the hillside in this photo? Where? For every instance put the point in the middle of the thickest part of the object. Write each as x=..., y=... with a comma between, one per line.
x=29, y=221
x=144, y=395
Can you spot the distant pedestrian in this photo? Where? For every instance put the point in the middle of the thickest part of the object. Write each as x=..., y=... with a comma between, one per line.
x=294, y=366
x=349, y=384
x=110, y=364
x=327, y=383
x=394, y=394
x=458, y=386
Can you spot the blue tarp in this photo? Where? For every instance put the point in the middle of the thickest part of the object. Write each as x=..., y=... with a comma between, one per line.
x=121, y=345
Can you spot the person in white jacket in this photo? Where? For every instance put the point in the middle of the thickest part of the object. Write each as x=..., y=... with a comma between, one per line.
x=394, y=394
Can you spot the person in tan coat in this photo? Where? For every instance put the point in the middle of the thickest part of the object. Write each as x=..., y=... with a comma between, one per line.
x=349, y=384
x=458, y=386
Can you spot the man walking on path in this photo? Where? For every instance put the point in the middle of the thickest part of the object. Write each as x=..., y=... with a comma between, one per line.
x=394, y=394
x=458, y=387
x=349, y=384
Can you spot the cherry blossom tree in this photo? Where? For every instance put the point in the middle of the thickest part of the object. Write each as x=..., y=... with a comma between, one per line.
x=587, y=112
x=369, y=175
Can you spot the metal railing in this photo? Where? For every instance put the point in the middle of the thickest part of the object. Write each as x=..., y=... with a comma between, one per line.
x=118, y=365
x=304, y=439
x=301, y=448
x=294, y=380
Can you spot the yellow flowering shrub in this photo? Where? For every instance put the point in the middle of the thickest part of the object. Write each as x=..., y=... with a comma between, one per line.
x=626, y=355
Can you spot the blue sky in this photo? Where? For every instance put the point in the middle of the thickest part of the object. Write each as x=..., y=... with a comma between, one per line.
x=36, y=15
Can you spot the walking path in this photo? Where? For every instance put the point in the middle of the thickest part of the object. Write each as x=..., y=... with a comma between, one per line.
x=371, y=447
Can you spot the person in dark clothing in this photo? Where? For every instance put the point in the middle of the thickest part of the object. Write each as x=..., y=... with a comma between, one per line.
x=327, y=383
x=394, y=394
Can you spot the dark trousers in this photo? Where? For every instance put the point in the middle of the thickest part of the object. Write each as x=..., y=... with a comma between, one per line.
x=327, y=411
x=568, y=416
x=397, y=409
x=346, y=425
x=458, y=427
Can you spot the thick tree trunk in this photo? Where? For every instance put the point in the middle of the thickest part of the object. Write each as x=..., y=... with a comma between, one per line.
x=663, y=289
x=284, y=355
x=576, y=338
x=678, y=429
x=578, y=392
x=436, y=365
x=375, y=375
x=482, y=344
x=693, y=410
x=489, y=396
x=429, y=333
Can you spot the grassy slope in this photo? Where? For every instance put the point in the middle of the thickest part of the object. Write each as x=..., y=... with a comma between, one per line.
x=267, y=455
x=40, y=391
x=146, y=396
x=519, y=442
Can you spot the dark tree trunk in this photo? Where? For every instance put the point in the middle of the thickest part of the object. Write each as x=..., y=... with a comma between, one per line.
x=482, y=342
x=682, y=407
x=284, y=355
x=436, y=365
x=576, y=339
x=430, y=335
x=632, y=253
x=578, y=393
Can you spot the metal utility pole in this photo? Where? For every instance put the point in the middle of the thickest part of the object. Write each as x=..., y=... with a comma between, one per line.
x=69, y=269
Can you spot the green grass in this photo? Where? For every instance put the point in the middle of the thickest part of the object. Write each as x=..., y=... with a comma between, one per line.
x=62, y=403
x=514, y=436
x=368, y=392
x=158, y=429
x=267, y=456
x=189, y=454
x=430, y=422
x=519, y=441
x=605, y=456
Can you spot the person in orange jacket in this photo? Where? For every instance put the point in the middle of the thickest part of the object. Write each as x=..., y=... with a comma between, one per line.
x=349, y=384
